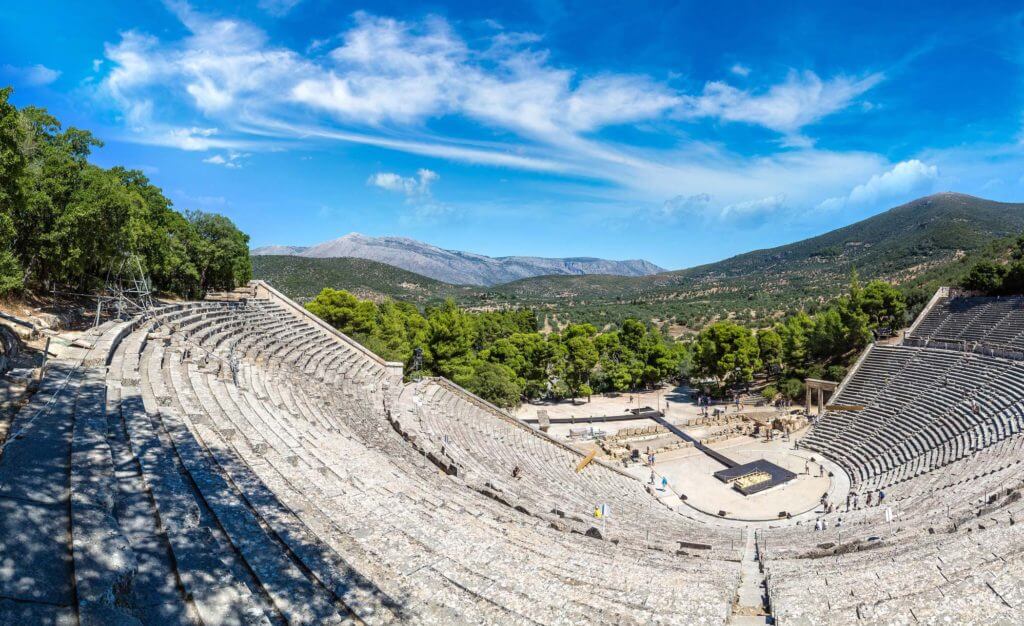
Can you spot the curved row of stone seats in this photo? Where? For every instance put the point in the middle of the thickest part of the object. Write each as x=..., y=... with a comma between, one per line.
x=339, y=470
x=992, y=321
x=967, y=578
x=952, y=553
x=933, y=404
x=982, y=490
x=484, y=446
x=79, y=540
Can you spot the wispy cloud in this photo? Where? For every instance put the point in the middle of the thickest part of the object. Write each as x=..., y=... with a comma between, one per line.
x=230, y=159
x=416, y=189
x=385, y=82
x=417, y=185
x=740, y=70
x=30, y=75
x=802, y=99
x=278, y=8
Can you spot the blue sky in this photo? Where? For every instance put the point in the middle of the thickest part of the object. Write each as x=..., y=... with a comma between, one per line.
x=677, y=132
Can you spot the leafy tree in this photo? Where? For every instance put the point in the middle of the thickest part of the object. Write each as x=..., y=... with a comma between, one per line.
x=883, y=304
x=828, y=334
x=835, y=373
x=67, y=222
x=223, y=252
x=727, y=352
x=345, y=312
x=580, y=357
x=1013, y=280
x=794, y=334
x=495, y=382
x=13, y=165
x=451, y=335
x=793, y=388
x=769, y=346
x=985, y=276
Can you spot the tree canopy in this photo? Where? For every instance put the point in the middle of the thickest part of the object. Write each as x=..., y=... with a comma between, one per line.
x=65, y=222
x=500, y=355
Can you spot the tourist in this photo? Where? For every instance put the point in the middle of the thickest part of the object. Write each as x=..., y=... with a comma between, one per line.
x=870, y=495
x=516, y=471
x=664, y=483
x=817, y=524
x=653, y=477
x=881, y=496
x=839, y=522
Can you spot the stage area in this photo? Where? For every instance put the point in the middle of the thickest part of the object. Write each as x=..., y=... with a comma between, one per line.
x=691, y=473
x=755, y=476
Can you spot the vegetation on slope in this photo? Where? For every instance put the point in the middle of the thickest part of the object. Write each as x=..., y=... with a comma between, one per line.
x=801, y=345
x=65, y=223
x=500, y=355
x=911, y=245
x=302, y=278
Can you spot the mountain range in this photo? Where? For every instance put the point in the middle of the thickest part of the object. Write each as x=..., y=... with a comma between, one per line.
x=455, y=267
x=917, y=245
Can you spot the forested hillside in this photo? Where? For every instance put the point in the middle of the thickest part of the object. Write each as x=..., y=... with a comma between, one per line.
x=65, y=223
x=910, y=245
x=303, y=278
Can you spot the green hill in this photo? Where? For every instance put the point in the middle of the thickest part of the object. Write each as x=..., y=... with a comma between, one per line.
x=303, y=278
x=909, y=244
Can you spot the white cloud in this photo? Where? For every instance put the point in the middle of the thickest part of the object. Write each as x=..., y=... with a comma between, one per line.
x=801, y=100
x=386, y=83
x=277, y=8
x=705, y=206
x=31, y=75
x=418, y=185
x=695, y=204
x=230, y=159
x=904, y=180
x=740, y=70
x=754, y=208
